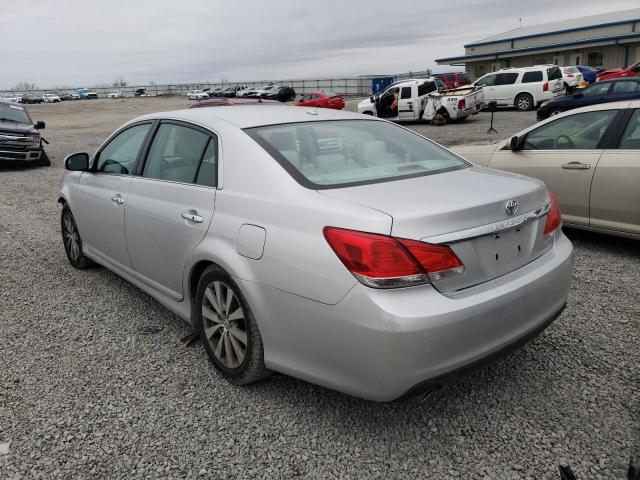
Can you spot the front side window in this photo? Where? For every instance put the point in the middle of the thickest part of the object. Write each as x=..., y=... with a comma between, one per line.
x=531, y=77
x=120, y=154
x=579, y=131
x=597, y=89
x=506, y=78
x=487, y=81
x=175, y=153
x=631, y=136
x=328, y=154
x=626, y=87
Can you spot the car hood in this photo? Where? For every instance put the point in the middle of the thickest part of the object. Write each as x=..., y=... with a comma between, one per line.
x=442, y=203
x=11, y=128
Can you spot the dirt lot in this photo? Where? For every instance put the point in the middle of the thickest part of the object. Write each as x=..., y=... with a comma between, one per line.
x=80, y=399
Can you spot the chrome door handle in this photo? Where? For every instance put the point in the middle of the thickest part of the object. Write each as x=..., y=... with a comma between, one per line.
x=192, y=217
x=117, y=198
x=576, y=166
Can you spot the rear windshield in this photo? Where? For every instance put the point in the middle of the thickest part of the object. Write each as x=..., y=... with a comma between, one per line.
x=341, y=153
x=554, y=73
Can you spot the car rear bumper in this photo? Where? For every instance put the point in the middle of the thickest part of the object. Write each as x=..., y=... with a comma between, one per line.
x=382, y=344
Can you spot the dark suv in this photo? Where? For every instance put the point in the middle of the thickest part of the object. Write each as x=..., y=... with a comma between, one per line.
x=20, y=140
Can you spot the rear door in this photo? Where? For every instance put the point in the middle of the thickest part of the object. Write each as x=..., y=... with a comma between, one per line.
x=623, y=90
x=170, y=204
x=102, y=194
x=564, y=154
x=615, y=192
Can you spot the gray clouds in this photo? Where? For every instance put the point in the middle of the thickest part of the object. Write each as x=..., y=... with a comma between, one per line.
x=72, y=42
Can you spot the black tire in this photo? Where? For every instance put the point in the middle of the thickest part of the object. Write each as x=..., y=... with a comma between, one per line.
x=367, y=113
x=44, y=160
x=69, y=228
x=251, y=368
x=524, y=102
x=555, y=111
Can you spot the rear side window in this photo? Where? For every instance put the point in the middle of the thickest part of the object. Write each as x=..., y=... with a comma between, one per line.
x=405, y=92
x=631, y=136
x=426, y=87
x=554, y=73
x=175, y=154
x=506, y=78
x=531, y=77
x=329, y=154
x=120, y=154
x=626, y=87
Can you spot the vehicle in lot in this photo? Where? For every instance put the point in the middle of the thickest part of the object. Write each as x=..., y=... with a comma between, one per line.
x=240, y=90
x=221, y=102
x=630, y=71
x=588, y=157
x=196, y=95
x=84, y=94
x=600, y=92
x=30, y=98
x=20, y=140
x=215, y=92
x=418, y=99
x=11, y=97
x=572, y=78
x=64, y=96
x=321, y=100
x=259, y=91
x=114, y=94
x=298, y=241
x=588, y=73
x=140, y=92
x=523, y=88
x=50, y=98
x=282, y=94
x=453, y=79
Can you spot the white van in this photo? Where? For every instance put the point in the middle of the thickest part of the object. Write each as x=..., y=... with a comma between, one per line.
x=523, y=88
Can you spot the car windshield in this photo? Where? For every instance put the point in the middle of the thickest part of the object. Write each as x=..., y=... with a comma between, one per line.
x=13, y=113
x=340, y=153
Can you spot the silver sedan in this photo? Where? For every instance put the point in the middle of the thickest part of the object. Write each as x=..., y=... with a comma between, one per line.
x=347, y=251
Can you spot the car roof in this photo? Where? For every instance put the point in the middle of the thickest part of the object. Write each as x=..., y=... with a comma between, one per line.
x=621, y=79
x=255, y=115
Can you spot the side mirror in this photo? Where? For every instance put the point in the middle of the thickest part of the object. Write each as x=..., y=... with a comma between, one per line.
x=39, y=125
x=77, y=162
x=515, y=143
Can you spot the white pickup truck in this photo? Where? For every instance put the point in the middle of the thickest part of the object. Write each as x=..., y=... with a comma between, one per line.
x=419, y=99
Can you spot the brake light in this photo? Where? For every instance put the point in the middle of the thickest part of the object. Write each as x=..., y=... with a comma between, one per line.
x=554, y=217
x=570, y=75
x=461, y=104
x=381, y=261
x=545, y=87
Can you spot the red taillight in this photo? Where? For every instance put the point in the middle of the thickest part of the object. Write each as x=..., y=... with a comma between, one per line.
x=461, y=104
x=382, y=261
x=545, y=87
x=570, y=75
x=554, y=217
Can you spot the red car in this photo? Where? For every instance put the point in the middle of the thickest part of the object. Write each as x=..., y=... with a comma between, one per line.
x=632, y=71
x=321, y=100
x=454, y=79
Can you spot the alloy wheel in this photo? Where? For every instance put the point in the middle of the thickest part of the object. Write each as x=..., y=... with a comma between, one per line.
x=224, y=324
x=523, y=103
x=71, y=237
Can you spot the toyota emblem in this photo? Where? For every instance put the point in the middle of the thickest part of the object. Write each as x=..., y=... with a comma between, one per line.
x=511, y=207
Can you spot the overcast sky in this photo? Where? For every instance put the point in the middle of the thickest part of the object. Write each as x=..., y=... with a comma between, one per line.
x=84, y=43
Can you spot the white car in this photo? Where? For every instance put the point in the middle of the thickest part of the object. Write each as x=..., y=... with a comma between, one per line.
x=50, y=98
x=256, y=91
x=11, y=97
x=571, y=77
x=115, y=94
x=523, y=88
x=197, y=95
x=241, y=90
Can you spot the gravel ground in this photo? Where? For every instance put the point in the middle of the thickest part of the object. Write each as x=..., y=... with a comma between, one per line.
x=95, y=382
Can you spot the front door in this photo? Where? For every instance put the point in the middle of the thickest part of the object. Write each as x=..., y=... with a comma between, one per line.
x=387, y=105
x=406, y=103
x=169, y=207
x=488, y=84
x=564, y=154
x=102, y=196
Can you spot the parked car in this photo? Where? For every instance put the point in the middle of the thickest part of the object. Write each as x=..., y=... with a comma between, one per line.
x=114, y=94
x=588, y=73
x=321, y=100
x=282, y=94
x=240, y=91
x=588, y=157
x=85, y=94
x=140, y=92
x=221, y=102
x=572, y=78
x=229, y=92
x=419, y=99
x=20, y=140
x=600, y=92
x=65, y=96
x=11, y=98
x=196, y=95
x=318, y=259
x=454, y=79
x=631, y=71
x=260, y=91
x=524, y=88
x=50, y=98
x=215, y=92
x=30, y=98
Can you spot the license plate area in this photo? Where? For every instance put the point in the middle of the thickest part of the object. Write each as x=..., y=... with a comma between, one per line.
x=503, y=249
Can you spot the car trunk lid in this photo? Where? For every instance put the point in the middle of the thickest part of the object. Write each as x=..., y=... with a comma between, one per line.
x=467, y=210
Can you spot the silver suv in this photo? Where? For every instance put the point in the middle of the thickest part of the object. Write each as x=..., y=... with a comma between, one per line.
x=341, y=249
